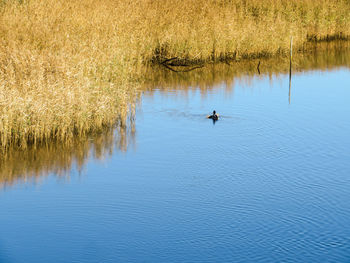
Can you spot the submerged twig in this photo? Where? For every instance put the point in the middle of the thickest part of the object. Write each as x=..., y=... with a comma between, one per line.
x=176, y=62
x=186, y=70
x=167, y=60
x=290, y=67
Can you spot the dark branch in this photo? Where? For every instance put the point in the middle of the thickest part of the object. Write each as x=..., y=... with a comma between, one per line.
x=186, y=70
x=167, y=60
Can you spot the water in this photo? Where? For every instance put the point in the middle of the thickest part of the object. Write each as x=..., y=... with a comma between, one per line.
x=269, y=182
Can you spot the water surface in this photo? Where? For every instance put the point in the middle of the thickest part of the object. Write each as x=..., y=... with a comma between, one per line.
x=269, y=182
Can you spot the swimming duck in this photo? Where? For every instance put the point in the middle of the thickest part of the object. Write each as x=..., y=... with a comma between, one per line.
x=214, y=116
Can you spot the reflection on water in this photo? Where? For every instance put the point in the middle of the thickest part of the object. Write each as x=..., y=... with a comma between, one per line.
x=323, y=57
x=21, y=166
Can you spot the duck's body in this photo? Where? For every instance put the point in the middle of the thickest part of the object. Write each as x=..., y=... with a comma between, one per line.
x=214, y=116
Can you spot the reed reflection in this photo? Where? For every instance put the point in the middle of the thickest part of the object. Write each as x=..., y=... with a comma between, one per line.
x=20, y=166
x=322, y=56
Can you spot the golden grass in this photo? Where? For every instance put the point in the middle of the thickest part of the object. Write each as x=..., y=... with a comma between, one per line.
x=73, y=67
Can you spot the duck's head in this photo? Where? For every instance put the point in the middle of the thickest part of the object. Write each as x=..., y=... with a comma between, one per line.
x=214, y=112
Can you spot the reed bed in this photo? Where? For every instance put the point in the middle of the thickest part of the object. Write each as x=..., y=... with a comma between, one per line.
x=71, y=68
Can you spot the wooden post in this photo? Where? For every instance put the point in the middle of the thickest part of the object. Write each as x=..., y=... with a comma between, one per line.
x=290, y=67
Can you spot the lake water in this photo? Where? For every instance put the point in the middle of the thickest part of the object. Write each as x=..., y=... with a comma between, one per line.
x=268, y=182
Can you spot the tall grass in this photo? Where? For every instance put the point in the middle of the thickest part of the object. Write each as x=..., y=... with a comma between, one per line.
x=73, y=67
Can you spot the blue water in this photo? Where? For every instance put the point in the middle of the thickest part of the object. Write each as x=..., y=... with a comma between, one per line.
x=269, y=182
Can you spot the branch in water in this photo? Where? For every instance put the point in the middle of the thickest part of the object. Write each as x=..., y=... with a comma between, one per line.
x=186, y=70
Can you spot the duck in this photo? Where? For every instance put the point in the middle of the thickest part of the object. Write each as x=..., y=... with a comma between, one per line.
x=214, y=116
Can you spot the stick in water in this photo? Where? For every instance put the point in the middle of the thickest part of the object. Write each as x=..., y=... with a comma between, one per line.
x=290, y=66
